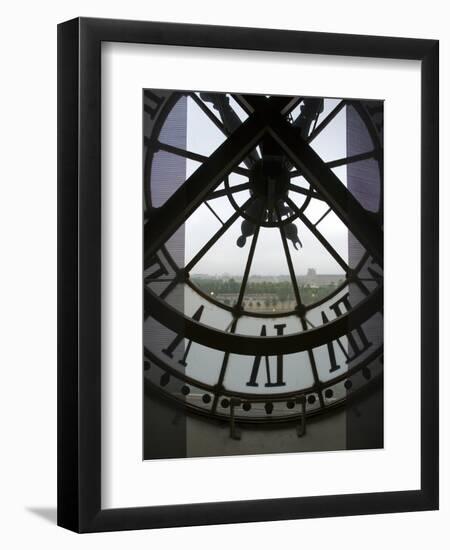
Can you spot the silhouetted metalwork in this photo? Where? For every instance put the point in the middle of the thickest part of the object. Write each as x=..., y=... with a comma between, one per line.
x=270, y=148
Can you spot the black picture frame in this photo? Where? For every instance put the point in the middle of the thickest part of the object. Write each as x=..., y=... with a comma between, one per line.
x=79, y=274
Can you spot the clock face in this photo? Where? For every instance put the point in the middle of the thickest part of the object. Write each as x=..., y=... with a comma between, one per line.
x=263, y=270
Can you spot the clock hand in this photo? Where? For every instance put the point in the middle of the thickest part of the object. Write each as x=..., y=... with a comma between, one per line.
x=291, y=233
x=247, y=227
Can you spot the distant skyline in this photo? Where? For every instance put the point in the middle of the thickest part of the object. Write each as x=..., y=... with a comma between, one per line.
x=255, y=275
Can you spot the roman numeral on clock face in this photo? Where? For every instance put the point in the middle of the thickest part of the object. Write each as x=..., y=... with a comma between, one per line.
x=357, y=341
x=376, y=275
x=158, y=269
x=257, y=362
x=178, y=339
x=152, y=103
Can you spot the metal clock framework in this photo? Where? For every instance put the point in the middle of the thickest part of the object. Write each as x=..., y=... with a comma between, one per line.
x=271, y=149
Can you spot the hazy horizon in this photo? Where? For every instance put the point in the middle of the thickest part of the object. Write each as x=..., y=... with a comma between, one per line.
x=253, y=275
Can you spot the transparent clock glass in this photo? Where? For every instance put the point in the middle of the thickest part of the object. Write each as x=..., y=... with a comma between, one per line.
x=262, y=274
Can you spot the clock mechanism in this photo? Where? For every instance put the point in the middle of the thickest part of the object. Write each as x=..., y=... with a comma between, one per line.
x=263, y=259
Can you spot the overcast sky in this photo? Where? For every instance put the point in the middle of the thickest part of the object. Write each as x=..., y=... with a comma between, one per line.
x=226, y=257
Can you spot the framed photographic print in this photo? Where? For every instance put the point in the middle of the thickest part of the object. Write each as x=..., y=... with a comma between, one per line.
x=248, y=274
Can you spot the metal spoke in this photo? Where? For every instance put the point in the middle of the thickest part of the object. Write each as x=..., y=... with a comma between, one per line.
x=243, y=103
x=310, y=323
x=237, y=310
x=306, y=192
x=215, y=237
x=318, y=235
x=312, y=362
x=169, y=259
x=341, y=162
x=202, y=252
x=349, y=160
x=194, y=156
x=326, y=121
x=289, y=262
x=214, y=119
x=292, y=105
x=224, y=192
x=223, y=370
x=322, y=217
x=214, y=212
x=248, y=265
x=180, y=152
